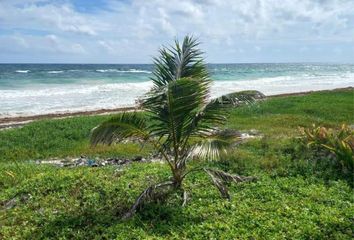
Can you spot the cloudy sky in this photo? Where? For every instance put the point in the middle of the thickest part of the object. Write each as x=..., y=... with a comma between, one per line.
x=131, y=31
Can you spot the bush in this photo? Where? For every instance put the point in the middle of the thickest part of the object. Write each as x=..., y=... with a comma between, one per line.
x=334, y=144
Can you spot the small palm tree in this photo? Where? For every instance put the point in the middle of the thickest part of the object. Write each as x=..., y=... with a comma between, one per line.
x=181, y=121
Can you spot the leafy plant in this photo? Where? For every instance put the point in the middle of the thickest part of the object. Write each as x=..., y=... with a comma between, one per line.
x=182, y=122
x=340, y=143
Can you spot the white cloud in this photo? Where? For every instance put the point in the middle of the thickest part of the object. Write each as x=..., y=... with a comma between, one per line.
x=46, y=17
x=132, y=30
x=257, y=48
x=77, y=48
x=39, y=45
x=106, y=46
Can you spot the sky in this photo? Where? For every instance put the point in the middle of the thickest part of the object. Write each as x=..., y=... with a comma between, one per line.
x=131, y=31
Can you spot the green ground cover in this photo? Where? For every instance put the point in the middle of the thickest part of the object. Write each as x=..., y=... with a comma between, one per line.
x=293, y=198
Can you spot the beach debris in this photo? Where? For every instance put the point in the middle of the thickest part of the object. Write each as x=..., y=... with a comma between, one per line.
x=241, y=135
x=96, y=162
x=116, y=161
x=253, y=133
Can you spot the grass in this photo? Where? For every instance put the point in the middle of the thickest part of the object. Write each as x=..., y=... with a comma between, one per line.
x=85, y=203
x=282, y=115
x=293, y=199
x=57, y=138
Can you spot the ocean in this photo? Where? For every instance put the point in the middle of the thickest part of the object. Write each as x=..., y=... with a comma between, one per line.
x=33, y=89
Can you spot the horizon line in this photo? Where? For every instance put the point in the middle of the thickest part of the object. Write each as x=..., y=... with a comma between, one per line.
x=83, y=63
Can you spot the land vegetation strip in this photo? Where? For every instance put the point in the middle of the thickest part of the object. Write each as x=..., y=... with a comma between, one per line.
x=18, y=121
x=276, y=118
x=293, y=197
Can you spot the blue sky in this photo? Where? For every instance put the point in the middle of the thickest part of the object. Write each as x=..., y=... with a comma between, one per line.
x=131, y=31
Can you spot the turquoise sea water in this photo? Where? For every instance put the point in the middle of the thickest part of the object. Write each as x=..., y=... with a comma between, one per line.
x=30, y=89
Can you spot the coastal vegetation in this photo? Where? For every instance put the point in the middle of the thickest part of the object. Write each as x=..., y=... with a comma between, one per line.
x=336, y=145
x=294, y=197
x=299, y=147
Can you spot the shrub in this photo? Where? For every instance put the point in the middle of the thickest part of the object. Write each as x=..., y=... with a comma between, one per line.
x=335, y=144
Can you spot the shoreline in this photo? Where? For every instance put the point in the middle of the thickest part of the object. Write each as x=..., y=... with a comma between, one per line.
x=11, y=122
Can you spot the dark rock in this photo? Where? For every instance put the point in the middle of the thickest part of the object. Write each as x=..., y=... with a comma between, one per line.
x=137, y=159
x=123, y=161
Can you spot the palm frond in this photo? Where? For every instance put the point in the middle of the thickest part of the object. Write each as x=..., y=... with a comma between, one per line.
x=214, y=112
x=239, y=98
x=208, y=118
x=174, y=106
x=211, y=147
x=147, y=194
x=180, y=61
x=118, y=128
x=218, y=183
x=227, y=177
x=220, y=178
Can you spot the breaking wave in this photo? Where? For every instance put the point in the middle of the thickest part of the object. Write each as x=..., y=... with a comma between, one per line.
x=122, y=71
x=94, y=96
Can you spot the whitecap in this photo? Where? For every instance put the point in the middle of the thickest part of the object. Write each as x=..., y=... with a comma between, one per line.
x=22, y=71
x=53, y=72
x=93, y=95
x=283, y=84
x=122, y=71
x=104, y=70
x=138, y=71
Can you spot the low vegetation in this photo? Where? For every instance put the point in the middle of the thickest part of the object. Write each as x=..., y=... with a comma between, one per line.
x=335, y=145
x=295, y=196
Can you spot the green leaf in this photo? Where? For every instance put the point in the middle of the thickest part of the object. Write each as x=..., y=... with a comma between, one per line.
x=118, y=128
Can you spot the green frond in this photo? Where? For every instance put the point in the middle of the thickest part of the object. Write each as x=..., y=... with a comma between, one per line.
x=118, y=128
x=207, y=119
x=174, y=107
x=214, y=112
x=180, y=61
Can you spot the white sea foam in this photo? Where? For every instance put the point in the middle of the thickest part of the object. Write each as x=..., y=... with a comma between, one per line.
x=138, y=71
x=122, y=71
x=22, y=71
x=53, y=72
x=284, y=84
x=59, y=98
x=42, y=99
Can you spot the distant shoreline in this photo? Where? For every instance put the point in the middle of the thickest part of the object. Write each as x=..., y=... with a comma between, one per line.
x=10, y=122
